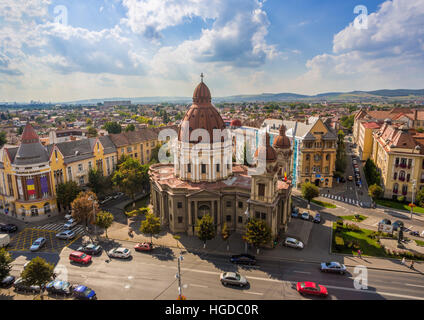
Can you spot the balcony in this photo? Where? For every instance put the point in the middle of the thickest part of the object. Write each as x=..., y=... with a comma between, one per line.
x=397, y=165
x=403, y=165
x=404, y=193
x=401, y=178
x=395, y=191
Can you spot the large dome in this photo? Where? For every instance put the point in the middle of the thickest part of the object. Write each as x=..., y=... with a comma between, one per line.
x=201, y=115
x=282, y=141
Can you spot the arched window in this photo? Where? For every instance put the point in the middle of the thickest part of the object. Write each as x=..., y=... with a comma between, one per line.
x=327, y=157
x=34, y=211
x=395, y=176
x=402, y=175
x=404, y=189
x=395, y=188
x=308, y=157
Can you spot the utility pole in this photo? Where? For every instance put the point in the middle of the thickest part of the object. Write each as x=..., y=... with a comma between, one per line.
x=180, y=293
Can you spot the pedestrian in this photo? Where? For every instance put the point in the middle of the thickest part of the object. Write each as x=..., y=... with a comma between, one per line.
x=403, y=261
x=359, y=253
x=412, y=264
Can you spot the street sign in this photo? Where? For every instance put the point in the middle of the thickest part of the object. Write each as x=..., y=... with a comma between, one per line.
x=317, y=176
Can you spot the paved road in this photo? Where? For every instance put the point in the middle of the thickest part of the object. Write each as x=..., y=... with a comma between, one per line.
x=152, y=276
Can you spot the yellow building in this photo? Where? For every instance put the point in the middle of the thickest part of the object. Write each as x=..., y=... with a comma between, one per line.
x=365, y=138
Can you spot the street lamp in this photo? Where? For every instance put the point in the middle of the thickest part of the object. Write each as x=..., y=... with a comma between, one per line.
x=178, y=275
x=247, y=213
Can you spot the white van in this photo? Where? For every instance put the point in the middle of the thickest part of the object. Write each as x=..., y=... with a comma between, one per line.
x=4, y=240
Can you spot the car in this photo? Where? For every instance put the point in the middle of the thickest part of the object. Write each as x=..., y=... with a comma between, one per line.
x=333, y=267
x=356, y=169
x=311, y=288
x=9, y=228
x=295, y=214
x=21, y=286
x=59, y=287
x=293, y=243
x=122, y=253
x=350, y=178
x=118, y=195
x=7, y=281
x=107, y=199
x=66, y=235
x=83, y=292
x=143, y=246
x=68, y=216
x=305, y=216
x=243, y=259
x=414, y=233
x=70, y=224
x=90, y=249
x=79, y=257
x=233, y=278
x=385, y=221
x=398, y=225
x=38, y=244
x=317, y=218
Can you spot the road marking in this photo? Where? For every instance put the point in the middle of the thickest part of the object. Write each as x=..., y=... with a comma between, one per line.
x=257, y=293
x=305, y=272
x=198, y=285
x=413, y=285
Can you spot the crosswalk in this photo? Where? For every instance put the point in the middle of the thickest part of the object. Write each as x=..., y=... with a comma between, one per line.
x=342, y=198
x=78, y=229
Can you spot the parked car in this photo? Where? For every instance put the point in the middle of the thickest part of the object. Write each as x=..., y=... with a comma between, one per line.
x=312, y=288
x=80, y=257
x=414, y=233
x=85, y=293
x=90, y=249
x=68, y=216
x=233, y=278
x=305, y=216
x=295, y=214
x=70, y=223
x=7, y=281
x=398, y=225
x=122, y=253
x=66, y=235
x=143, y=246
x=38, y=244
x=333, y=267
x=294, y=243
x=20, y=286
x=385, y=221
x=9, y=227
x=118, y=195
x=59, y=287
x=317, y=218
x=107, y=199
x=243, y=259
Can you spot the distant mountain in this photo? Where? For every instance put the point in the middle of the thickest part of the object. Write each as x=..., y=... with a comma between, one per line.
x=353, y=96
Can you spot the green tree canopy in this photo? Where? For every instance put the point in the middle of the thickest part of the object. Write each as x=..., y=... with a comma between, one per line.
x=309, y=191
x=5, y=263
x=257, y=233
x=3, y=138
x=420, y=197
x=85, y=207
x=375, y=191
x=151, y=225
x=104, y=219
x=372, y=174
x=96, y=181
x=130, y=127
x=38, y=272
x=92, y=132
x=112, y=127
x=67, y=192
x=340, y=152
x=205, y=228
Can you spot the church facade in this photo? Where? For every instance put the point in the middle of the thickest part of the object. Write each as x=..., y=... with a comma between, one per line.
x=204, y=180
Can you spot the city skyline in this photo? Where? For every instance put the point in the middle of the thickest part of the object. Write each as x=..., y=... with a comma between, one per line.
x=59, y=51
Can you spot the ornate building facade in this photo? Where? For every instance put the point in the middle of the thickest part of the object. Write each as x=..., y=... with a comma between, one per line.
x=203, y=179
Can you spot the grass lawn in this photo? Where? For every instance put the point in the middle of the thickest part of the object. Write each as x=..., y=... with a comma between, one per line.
x=324, y=204
x=143, y=202
x=398, y=205
x=419, y=243
x=368, y=246
x=353, y=218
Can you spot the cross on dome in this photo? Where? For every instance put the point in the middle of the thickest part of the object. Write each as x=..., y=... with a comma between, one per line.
x=201, y=77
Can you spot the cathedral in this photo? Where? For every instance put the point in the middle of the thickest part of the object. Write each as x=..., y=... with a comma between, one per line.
x=203, y=179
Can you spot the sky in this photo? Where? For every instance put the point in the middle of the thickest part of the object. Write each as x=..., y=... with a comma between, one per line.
x=57, y=50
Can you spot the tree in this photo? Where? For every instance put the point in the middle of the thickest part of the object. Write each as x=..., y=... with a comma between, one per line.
x=309, y=191
x=155, y=154
x=96, y=181
x=112, y=127
x=3, y=138
x=340, y=152
x=104, y=219
x=5, y=263
x=129, y=176
x=20, y=130
x=38, y=272
x=92, y=132
x=375, y=191
x=151, y=225
x=85, y=207
x=372, y=174
x=67, y=192
x=420, y=197
x=205, y=229
x=257, y=233
x=225, y=235
x=130, y=127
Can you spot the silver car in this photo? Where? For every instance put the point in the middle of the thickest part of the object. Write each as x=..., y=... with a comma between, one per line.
x=333, y=267
x=122, y=253
x=38, y=244
x=233, y=278
x=294, y=243
x=66, y=235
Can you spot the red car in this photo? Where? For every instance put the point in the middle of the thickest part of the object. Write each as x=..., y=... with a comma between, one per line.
x=80, y=257
x=143, y=246
x=311, y=288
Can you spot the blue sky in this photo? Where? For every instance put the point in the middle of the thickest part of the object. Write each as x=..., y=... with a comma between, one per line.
x=133, y=48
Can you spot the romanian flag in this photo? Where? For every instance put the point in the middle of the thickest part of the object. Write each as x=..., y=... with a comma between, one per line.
x=30, y=187
x=285, y=176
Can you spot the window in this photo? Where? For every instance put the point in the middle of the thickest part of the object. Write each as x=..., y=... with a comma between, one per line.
x=395, y=176
x=261, y=189
x=203, y=168
x=306, y=169
x=263, y=216
x=257, y=215
x=228, y=218
x=180, y=219
x=90, y=166
x=409, y=163
x=34, y=211
x=81, y=180
x=240, y=219
x=55, y=154
x=152, y=144
x=408, y=177
x=327, y=157
x=217, y=167
x=308, y=157
x=129, y=149
x=189, y=167
x=122, y=150
x=240, y=205
x=228, y=204
x=179, y=205
x=317, y=157
x=69, y=173
x=135, y=154
x=80, y=167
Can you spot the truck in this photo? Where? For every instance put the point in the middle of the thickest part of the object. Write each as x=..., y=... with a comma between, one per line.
x=4, y=240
